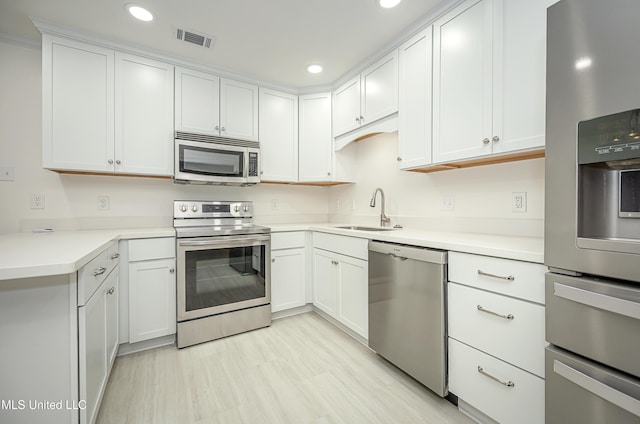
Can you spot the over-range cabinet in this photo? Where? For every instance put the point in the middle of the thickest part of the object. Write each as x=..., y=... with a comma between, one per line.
x=592, y=216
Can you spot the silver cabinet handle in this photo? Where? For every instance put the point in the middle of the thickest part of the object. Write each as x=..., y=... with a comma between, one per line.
x=118, y=162
x=486, y=311
x=99, y=271
x=357, y=119
x=598, y=388
x=399, y=159
x=334, y=262
x=172, y=270
x=504, y=383
x=485, y=141
x=115, y=256
x=111, y=291
x=273, y=260
x=495, y=139
x=110, y=161
x=222, y=129
x=361, y=118
x=217, y=127
x=328, y=174
x=500, y=277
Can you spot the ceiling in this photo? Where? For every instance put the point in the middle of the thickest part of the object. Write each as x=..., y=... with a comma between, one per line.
x=267, y=40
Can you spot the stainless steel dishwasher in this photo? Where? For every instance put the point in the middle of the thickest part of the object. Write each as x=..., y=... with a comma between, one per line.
x=407, y=324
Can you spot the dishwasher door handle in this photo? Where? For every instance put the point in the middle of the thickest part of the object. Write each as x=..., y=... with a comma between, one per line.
x=394, y=256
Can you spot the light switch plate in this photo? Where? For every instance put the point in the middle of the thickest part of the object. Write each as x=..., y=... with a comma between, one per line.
x=7, y=173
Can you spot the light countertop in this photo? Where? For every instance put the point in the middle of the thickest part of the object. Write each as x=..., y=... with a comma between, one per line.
x=61, y=252
x=529, y=249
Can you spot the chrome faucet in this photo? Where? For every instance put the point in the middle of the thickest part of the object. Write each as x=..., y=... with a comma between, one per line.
x=384, y=219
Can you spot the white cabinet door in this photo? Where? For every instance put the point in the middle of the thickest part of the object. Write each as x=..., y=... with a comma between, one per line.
x=315, y=144
x=238, y=110
x=92, y=346
x=144, y=116
x=353, y=294
x=287, y=279
x=197, y=102
x=325, y=282
x=519, y=74
x=379, y=89
x=278, y=136
x=78, y=100
x=346, y=107
x=415, y=97
x=462, y=76
x=152, y=299
x=112, y=290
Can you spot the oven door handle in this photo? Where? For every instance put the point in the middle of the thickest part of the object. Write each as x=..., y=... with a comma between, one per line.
x=222, y=242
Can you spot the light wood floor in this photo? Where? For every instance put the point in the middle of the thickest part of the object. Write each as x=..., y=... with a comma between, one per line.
x=302, y=369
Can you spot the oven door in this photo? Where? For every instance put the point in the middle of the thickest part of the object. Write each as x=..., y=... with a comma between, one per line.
x=208, y=162
x=222, y=274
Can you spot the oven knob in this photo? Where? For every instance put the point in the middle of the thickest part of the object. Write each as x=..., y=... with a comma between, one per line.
x=245, y=208
x=194, y=208
x=236, y=208
x=183, y=208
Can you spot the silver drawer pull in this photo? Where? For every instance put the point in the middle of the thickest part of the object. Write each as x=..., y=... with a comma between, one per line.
x=111, y=290
x=501, y=277
x=115, y=256
x=486, y=311
x=504, y=383
x=99, y=271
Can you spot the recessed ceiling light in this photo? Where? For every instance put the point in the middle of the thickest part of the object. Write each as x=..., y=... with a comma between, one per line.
x=139, y=12
x=388, y=4
x=314, y=69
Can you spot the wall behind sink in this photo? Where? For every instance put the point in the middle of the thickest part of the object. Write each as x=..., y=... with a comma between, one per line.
x=482, y=194
x=71, y=200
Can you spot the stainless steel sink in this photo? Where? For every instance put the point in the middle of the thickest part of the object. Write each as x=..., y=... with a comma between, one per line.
x=359, y=228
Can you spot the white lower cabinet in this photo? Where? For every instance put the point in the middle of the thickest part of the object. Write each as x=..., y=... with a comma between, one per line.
x=97, y=337
x=288, y=270
x=152, y=288
x=340, y=280
x=496, y=334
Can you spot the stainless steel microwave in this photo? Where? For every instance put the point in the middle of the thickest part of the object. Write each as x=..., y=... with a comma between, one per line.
x=202, y=159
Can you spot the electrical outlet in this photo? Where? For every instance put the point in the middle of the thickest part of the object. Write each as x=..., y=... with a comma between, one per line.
x=7, y=173
x=37, y=201
x=519, y=201
x=448, y=203
x=103, y=203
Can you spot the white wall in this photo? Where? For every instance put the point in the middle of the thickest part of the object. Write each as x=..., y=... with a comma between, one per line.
x=71, y=200
x=482, y=194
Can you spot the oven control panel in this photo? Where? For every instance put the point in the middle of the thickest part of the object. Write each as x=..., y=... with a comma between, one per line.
x=212, y=209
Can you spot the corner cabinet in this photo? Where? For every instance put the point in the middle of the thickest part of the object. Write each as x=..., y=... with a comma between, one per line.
x=415, y=97
x=105, y=111
x=340, y=280
x=368, y=97
x=278, y=117
x=489, y=79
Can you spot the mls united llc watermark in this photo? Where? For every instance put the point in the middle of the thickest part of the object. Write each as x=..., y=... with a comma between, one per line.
x=40, y=405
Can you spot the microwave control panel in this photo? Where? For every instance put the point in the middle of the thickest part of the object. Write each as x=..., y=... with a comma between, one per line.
x=253, y=164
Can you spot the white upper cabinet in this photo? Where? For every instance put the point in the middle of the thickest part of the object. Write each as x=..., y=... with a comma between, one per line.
x=415, y=98
x=238, y=110
x=77, y=111
x=197, y=102
x=489, y=80
x=278, y=136
x=207, y=104
x=315, y=144
x=105, y=111
x=144, y=116
x=370, y=96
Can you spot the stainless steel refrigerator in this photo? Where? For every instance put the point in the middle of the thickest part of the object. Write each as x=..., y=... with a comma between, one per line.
x=592, y=212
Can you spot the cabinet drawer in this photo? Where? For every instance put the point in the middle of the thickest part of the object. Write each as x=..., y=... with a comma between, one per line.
x=288, y=240
x=523, y=403
x=524, y=280
x=95, y=271
x=152, y=248
x=348, y=246
x=518, y=340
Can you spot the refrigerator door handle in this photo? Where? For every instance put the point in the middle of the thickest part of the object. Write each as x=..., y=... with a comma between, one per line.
x=608, y=393
x=608, y=303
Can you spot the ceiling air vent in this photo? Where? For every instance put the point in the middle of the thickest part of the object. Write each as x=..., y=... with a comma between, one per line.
x=193, y=37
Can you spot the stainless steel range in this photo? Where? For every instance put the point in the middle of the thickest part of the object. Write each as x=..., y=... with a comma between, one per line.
x=223, y=263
